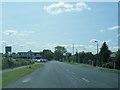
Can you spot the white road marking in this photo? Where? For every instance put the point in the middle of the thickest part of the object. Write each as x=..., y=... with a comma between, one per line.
x=73, y=73
x=85, y=80
x=67, y=70
x=26, y=80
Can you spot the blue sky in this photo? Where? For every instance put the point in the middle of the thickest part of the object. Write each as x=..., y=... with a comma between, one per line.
x=41, y=25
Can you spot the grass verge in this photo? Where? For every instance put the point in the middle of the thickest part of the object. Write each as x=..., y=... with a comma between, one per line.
x=0, y=80
x=103, y=69
x=110, y=70
x=12, y=76
x=72, y=63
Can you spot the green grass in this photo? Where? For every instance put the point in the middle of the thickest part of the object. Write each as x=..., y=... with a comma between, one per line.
x=110, y=70
x=12, y=76
x=103, y=69
x=15, y=67
x=72, y=63
x=0, y=80
x=89, y=67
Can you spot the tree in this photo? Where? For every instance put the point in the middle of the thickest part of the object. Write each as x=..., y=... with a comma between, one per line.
x=47, y=54
x=59, y=52
x=118, y=59
x=68, y=54
x=81, y=56
x=104, y=54
x=60, y=49
x=72, y=58
x=76, y=57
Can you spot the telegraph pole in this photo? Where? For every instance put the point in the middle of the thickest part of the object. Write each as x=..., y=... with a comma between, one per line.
x=73, y=48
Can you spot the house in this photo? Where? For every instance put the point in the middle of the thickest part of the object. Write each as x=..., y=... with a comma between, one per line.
x=29, y=55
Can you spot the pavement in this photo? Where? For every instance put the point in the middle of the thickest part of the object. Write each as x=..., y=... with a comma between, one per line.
x=57, y=74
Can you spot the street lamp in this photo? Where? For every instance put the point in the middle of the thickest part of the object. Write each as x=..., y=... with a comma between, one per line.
x=97, y=46
x=76, y=55
x=113, y=59
x=97, y=51
x=73, y=48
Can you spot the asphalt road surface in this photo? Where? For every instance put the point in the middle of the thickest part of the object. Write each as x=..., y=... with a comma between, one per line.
x=62, y=75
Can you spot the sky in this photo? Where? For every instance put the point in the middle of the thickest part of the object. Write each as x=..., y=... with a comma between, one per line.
x=44, y=25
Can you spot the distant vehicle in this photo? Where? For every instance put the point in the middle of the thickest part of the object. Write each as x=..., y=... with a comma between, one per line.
x=38, y=61
x=34, y=60
x=41, y=60
x=60, y=60
x=44, y=60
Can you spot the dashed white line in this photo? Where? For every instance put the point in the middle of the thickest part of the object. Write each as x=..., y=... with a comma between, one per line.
x=73, y=73
x=26, y=80
x=67, y=70
x=85, y=80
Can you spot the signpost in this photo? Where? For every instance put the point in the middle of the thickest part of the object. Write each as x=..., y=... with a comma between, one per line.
x=113, y=59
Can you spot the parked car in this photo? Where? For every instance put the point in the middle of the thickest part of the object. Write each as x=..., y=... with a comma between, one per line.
x=44, y=60
x=38, y=61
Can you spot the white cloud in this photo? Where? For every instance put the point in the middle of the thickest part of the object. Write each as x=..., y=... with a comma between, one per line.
x=108, y=41
x=30, y=43
x=10, y=32
x=23, y=34
x=100, y=42
x=81, y=6
x=118, y=35
x=69, y=47
x=2, y=42
x=19, y=33
x=110, y=28
x=65, y=7
x=114, y=48
x=101, y=31
x=21, y=45
x=114, y=28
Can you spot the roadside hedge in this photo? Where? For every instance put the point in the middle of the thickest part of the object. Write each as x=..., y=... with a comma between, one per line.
x=108, y=65
x=11, y=63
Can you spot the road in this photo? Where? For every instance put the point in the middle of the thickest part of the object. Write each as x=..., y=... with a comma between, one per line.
x=62, y=75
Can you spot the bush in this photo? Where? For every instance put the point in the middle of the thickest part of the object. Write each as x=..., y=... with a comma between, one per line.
x=29, y=66
x=10, y=62
x=104, y=65
x=108, y=65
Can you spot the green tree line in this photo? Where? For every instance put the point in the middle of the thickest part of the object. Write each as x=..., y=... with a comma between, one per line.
x=102, y=59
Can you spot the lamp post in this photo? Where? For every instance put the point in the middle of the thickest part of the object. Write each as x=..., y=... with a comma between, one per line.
x=113, y=59
x=97, y=51
x=4, y=44
x=97, y=46
x=76, y=56
x=73, y=48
